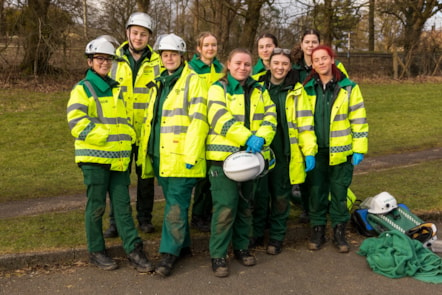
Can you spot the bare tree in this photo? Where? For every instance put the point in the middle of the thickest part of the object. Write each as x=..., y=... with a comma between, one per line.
x=252, y=16
x=412, y=15
x=143, y=5
x=335, y=18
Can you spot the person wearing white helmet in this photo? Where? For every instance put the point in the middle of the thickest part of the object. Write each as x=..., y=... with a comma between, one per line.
x=241, y=116
x=97, y=118
x=137, y=65
x=172, y=145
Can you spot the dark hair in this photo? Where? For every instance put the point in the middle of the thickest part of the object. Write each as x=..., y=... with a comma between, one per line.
x=268, y=35
x=297, y=53
x=335, y=71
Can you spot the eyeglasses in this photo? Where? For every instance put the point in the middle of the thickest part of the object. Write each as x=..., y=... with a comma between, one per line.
x=102, y=59
x=281, y=50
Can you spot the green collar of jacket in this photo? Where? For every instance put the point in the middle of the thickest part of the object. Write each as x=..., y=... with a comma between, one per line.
x=343, y=82
x=236, y=88
x=259, y=67
x=101, y=84
x=166, y=79
x=201, y=68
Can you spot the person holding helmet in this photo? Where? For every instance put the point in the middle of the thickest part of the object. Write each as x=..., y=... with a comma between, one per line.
x=97, y=118
x=294, y=146
x=341, y=130
x=241, y=116
x=208, y=67
x=135, y=66
x=172, y=145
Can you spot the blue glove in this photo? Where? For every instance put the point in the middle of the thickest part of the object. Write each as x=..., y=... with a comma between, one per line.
x=357, y=158
x=189, y=166
x=254, y=144
x=309, y=163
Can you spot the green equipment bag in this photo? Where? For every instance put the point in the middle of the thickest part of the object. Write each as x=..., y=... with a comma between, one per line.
x=403, y=220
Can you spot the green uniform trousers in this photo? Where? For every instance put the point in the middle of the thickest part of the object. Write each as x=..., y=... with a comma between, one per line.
x=261, y=207
x=231, y=213
x=280, y=190
x=324, y=180
x=99, y=181
x=272, y=201
x=177, y=192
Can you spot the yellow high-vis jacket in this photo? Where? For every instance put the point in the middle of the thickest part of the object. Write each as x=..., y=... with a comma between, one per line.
x=97, y=118
x=183, y=131
x=134, y=88
x=226, y=115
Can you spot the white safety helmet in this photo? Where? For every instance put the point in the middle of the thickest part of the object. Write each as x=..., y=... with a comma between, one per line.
x=382, y=203
x=109, y=38
x=100, y=45
x=243, y=166
x=170, y=42
x=140, y=19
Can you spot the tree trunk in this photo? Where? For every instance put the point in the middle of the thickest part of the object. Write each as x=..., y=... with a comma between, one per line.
x=143, y=5
x=37, y=51
x=251, y=23
x=371, y=25
x=85, y=21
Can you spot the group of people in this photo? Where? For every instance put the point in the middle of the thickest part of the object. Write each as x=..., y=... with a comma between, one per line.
x=179, y=121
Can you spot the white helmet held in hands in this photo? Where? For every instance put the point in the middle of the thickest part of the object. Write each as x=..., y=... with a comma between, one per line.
x=382, y=203
x=170, y=42
x=99, y=45
x=243, y=166
x=140, y=19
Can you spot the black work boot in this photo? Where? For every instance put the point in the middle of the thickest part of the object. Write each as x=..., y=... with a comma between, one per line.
x=137, y=258
x=274, y=247
x=339, y=238
x=164, y=268
x=317, y=238
x=111, y=232
x=220, y=267
x=245, y=257
x=102, y=260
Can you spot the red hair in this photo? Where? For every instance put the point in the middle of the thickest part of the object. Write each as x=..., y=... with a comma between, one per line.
x=335, y=71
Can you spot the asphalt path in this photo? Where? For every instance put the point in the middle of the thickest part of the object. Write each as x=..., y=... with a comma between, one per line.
x=295, y=271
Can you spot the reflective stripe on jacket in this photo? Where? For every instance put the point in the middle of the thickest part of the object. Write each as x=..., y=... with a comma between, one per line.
x=183, y=129
x=97, y=118
x=135, y=94
x=348, y=120
x=226, y=115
